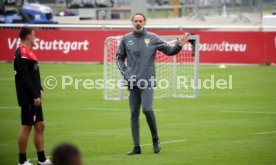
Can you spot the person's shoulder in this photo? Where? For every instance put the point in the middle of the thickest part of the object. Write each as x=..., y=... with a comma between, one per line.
x=17, y=54
x=152, y=35
x=130, y=34
x=18, y=50
x=26, y=53
x=127, y=36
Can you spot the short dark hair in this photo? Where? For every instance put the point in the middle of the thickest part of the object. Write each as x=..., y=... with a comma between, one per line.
x=65, y=154
x=138, y=14
x=24, y=32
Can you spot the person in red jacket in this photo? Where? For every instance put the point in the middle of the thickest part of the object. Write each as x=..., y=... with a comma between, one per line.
x=29, y=94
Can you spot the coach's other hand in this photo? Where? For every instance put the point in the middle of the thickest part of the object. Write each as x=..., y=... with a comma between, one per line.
x=37, y=102
x=184, y=39
x=41, y=94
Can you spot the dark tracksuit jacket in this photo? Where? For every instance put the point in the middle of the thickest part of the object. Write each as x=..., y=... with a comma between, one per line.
x=140, y=50
x=27, y=76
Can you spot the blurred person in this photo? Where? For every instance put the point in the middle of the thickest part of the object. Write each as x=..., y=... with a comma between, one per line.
x=139, y=47
x=29, y=94
x=66, y=154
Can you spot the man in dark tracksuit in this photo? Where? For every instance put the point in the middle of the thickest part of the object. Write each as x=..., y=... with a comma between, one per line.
x=139, y=47
x=29, y=94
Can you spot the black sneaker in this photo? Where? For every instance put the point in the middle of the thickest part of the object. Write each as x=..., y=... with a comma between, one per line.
x=136, y=150
x=156, y=145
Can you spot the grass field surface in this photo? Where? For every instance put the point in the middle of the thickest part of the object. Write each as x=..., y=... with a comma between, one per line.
x=236, y=126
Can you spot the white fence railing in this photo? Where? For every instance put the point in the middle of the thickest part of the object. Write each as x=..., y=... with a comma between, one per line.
x=171, y=27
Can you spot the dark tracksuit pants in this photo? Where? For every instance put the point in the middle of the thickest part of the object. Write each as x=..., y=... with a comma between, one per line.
x=137, y=98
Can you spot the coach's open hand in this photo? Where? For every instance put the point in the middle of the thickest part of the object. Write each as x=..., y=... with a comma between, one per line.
x=184, y=39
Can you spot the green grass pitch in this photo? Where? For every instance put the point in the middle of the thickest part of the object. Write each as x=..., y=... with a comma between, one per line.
x=235, y=126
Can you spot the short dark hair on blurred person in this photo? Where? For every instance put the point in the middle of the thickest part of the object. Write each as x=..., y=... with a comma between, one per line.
x=24, y=32
x=66, y=154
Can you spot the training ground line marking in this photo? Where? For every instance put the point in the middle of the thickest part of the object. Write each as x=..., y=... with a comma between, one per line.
x=58, y=75
x=262, y=133
x=101, y=109
x=6, y=78
x=111, y=109
x=168, y=142
x=115, y=109
x=47, y=157
x=9, y=107
x=248, y=112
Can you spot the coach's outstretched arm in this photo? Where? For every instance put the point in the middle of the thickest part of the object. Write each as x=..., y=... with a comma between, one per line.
x=120, y=58
x=176, y=48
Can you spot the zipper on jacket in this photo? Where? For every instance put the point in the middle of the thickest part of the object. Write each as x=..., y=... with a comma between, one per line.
x=138, y=52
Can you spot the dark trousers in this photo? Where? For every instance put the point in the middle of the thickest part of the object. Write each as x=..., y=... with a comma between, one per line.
x=137, y=98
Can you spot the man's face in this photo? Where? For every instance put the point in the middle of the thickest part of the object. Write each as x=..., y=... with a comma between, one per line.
x=31, y=38
x=138, y=23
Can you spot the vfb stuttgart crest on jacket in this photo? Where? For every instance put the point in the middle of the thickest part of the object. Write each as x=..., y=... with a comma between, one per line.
x=147, y=41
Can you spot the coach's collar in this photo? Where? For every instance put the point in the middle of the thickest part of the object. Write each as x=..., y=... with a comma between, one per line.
x=144, y=32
